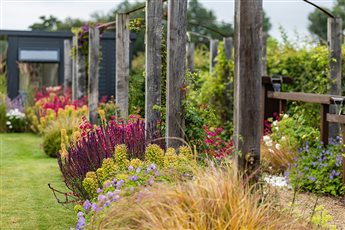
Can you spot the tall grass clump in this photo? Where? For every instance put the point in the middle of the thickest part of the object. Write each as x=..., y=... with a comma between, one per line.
x=217, y=199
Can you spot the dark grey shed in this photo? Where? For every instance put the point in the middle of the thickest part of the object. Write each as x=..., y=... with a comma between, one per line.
x=21, y=43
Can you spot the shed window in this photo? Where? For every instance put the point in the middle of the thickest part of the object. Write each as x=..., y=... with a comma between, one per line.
x=39, y=55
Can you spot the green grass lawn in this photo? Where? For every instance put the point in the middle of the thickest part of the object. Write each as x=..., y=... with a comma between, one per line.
x=26, y=202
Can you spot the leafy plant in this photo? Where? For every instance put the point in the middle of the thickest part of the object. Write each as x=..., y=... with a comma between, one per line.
x=88, y=153
x=318, y=169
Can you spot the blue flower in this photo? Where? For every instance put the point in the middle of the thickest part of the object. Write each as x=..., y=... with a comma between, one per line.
x=138, y=170
x=152, y=166
x=99, y=190
x=130, y=168
x=93, y=207
x=87, y=206
x=306, y=168
x=107, y=203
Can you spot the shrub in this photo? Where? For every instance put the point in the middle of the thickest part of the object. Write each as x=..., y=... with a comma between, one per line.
x=318, y=169
x=88, y=153
x=67, y=121
x=154, y=154
x=217, y=199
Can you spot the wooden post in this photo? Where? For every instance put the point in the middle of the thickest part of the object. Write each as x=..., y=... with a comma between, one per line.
x=324, y=124
x=67, y=65
x=93, y=94
x=213, y=53
x=153, y=61
x=264, y=53
x=176, y=70
x=81, y=75
x=335, y=39
x=228, y=98
x=248, y=67
x=190, y=56
x=122, y=63
x=343, y=159
x=74, y=72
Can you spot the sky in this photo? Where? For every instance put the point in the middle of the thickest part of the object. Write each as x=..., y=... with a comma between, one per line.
x=292, y=15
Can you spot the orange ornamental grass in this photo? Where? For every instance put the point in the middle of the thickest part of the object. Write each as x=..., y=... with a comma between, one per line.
x=216, y=199
x=277, y=156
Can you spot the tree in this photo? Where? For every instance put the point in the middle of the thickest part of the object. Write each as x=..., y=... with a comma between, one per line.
x=318, y=20
x=47, y=23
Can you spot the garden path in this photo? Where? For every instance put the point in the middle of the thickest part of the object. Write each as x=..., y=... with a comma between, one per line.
x=26, y=202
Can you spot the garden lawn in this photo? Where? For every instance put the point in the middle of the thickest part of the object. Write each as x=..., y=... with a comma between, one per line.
x=26, y=202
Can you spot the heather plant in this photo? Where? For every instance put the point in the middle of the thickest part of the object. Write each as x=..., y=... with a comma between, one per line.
x=318, y=169
x=97, y=144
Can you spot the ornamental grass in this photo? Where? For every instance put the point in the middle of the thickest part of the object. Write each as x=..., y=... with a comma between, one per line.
x=217, y=199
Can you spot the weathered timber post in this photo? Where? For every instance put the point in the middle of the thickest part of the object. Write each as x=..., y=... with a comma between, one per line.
x=122, y=63
x=176, y=70
x=93, y=94
x=190, y=56
x=248, y=67
x=264, y=53
x=153, y=61
x=228, y=98
x=81, y=74
x=213, y=53
x=67, y=65
x=74, y=72
x=335, y=39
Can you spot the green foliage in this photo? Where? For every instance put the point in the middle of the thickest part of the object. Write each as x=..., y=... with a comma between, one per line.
x=137, y=85
x=293, y=132
x=309, y=68
x=52, y=141
x=322, y=219
x=154, y=154
x=110, y=109
x=90, y=183
x=2, y=116
x=170, y=158
x=318, y=169
x=120, y=156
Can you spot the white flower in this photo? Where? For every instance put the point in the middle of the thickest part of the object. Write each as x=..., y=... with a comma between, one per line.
x=266, y=138
x=8, y=123
x=269, y=143
x=278, y=146
x=276, y=128
x=286, y=116
x=276, y=181
x=10, y=127
x=283, y=138
x=275, y=123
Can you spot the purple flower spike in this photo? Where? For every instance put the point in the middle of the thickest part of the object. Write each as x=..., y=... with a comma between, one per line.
x=99, y=190
x=157, y=173
x=130, y=168
x=80, y=214
x=114, y=181
x=138, y=170
x=107, y=184
x=109, y=195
